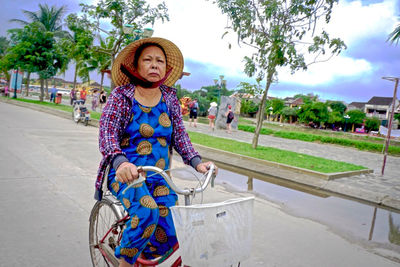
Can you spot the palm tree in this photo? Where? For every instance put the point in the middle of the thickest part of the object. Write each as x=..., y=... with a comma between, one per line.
x=50, y=18
x=394, y=36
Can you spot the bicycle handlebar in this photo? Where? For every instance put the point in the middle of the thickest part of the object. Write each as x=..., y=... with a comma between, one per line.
x=186, y=191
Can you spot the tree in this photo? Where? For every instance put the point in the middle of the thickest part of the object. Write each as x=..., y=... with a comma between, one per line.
x=372, y=124
x=78, y=46
x=356, y=117
x=289, y=112
x=136, y=13
x=397, y=117
x=278, y=31
x=37, y=51
x=338, y=106
x=49, y=19
x=315, y=112
x=4, y=45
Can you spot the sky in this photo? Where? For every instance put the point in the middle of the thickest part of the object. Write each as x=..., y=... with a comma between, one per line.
x=197, y=26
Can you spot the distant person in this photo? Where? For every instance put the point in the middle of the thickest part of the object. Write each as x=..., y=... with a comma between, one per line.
x=53, y=94
x=212, y=113
x=6, y=90
x=102, y=99
x=83, y=94
x=229, y=118
x=72, y=95
x=194, y=107
x=95, y=99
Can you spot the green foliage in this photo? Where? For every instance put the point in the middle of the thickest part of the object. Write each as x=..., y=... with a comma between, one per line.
x=36, y=51
x=337, y=106
x=372, y=124
x=397, y=117
x=274, y=154
x=78, y=46
x=137, y=13
x=248, y=107
x=277, y=32
x=356, y=116
x=48, y=18
x=394, y=36
x=277, y=105
x=316, y=112
x=335, y=117
x=361, y=145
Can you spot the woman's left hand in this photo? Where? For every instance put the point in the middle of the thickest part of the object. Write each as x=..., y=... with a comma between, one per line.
x=204, y=166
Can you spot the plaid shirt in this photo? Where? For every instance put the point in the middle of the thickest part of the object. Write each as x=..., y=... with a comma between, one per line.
x=115, y=118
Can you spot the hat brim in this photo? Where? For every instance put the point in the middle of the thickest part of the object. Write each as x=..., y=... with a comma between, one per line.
x=126, y=56
x=213, y=104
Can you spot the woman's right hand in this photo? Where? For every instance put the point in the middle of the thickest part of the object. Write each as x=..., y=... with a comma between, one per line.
x=127, y=172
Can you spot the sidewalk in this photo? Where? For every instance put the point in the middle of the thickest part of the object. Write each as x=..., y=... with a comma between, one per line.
x=373, y=187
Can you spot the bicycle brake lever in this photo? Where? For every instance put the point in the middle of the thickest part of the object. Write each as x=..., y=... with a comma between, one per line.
x=137, y=181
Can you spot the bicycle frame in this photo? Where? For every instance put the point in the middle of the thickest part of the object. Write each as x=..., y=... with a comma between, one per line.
x=108, y=253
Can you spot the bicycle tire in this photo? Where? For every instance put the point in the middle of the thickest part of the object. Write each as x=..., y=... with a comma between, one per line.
x=103, y=215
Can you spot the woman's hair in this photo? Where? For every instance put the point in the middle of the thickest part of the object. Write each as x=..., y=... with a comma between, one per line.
x=140, y=49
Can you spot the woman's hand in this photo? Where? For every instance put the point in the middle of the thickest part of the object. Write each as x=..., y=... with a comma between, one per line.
x=126, y=172
x=204, y=166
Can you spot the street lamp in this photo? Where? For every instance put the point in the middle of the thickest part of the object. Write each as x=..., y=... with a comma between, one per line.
x=134, y=35
x=346, y=117
x=220, y=84
x=396, y=80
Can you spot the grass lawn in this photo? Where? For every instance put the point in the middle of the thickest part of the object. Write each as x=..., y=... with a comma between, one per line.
x=274, y=154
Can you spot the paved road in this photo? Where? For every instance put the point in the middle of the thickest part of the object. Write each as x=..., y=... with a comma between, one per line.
x=48, y=165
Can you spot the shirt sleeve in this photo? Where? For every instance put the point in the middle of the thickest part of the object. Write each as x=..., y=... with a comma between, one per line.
x=112, y=125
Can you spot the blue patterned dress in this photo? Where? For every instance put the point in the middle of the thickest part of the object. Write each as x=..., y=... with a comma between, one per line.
x=146, y=143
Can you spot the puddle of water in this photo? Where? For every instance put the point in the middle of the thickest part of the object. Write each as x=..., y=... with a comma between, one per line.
x=354, y=219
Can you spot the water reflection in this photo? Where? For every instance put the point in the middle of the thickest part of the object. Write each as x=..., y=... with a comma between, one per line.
x=345, y=216
x=394, y=232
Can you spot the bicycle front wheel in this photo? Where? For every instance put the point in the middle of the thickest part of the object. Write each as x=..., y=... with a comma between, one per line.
x=104, y=235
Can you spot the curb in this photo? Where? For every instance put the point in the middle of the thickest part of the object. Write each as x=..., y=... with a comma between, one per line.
x=325, y=176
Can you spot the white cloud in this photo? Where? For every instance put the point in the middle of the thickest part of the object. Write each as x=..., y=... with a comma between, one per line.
x=327, y=72
x=352, y=21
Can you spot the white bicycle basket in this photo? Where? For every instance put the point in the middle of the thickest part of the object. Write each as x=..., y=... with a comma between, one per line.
x=215, y=234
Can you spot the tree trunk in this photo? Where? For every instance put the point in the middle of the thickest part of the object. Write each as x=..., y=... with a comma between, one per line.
x=75, y=74
x=112, y=62
x=260, y=113
x=41, y=90
x=47, y=89
x=101, y=82
x=27, y=84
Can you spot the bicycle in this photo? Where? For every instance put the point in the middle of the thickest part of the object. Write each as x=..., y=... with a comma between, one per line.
x=108, y=217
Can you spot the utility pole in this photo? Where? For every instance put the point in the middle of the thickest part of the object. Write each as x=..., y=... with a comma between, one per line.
x=396, y=80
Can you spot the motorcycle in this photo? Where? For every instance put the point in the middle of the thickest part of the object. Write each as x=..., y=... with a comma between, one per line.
x=80, y=112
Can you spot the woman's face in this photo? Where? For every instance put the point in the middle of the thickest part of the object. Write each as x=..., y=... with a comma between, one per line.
x=152, y=64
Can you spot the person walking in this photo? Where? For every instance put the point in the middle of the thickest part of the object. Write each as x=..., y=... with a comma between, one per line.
x=212, y=113
x=95, y=99
x=194, y=107
x=53, y=94
x=83, y=94
x=6, y=90
x=229, y=118
x=140, y=125
x=72, y=95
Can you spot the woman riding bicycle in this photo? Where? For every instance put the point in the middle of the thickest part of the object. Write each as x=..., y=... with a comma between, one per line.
x=140, y=125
